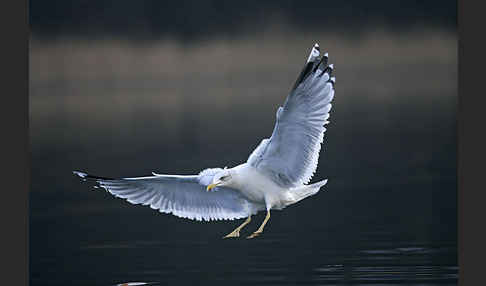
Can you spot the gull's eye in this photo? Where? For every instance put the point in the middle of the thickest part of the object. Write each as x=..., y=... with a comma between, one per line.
x=223, y=178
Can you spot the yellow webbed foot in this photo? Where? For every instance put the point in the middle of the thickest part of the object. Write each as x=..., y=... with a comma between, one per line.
x=232, y=234
x=236, y=232
x=255, y=234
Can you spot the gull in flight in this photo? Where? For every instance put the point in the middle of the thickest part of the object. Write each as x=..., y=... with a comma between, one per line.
x=276, y=175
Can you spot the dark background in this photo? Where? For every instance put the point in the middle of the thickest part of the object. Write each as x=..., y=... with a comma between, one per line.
x=126, y=88
x=186, y=19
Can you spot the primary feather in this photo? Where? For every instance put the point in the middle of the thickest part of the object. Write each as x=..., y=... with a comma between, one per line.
x=182, y=196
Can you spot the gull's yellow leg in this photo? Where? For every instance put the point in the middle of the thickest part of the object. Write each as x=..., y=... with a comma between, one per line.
x=236, y=232
x=260, y=229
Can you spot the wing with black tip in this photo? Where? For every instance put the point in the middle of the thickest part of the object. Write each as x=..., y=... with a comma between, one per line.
x=290, y=156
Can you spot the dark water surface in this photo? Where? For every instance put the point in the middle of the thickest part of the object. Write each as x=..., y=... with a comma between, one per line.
x=387, y=216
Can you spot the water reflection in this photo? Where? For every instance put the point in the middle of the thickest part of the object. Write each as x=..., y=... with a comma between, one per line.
x=409, y=265
x=137, y=283
x=285, y=260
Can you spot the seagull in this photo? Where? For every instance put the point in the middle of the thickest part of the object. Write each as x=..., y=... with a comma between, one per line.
x=276, y=174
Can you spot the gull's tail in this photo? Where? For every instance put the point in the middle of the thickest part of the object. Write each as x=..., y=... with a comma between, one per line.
x=305, y=191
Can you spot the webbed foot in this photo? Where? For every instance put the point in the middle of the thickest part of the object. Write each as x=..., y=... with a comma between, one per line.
x=234, y=233
x=255, y=234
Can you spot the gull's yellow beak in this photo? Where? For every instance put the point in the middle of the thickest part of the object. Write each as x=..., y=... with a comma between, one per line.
x=210, y=186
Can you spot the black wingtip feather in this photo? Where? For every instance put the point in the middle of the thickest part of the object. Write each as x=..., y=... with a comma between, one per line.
x=322, y=63
x=311, y=67
x=329, y=69
x=332, y=80
x=87, y=176
x=303, y=75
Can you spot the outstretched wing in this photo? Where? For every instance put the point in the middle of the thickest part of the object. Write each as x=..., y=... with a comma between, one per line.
x=291, y=154
x=183, y=196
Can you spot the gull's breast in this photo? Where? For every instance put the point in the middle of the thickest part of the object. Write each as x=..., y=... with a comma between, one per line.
x=258, y=188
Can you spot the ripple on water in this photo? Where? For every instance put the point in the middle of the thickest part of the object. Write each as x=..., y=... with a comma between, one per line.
x=137, y=283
